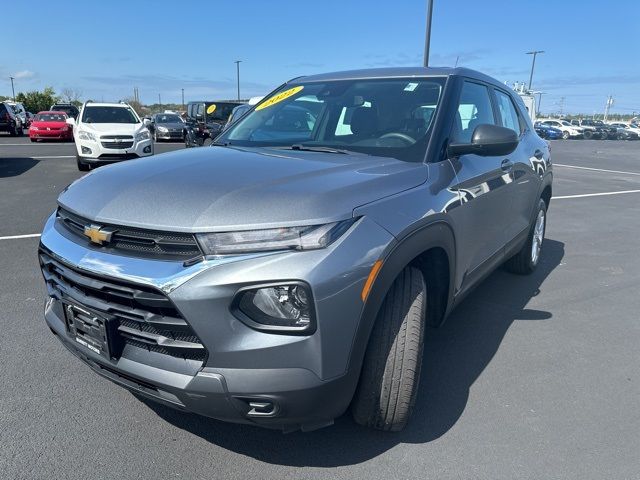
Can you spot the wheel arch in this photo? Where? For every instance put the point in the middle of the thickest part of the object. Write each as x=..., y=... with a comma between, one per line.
x=429, y=248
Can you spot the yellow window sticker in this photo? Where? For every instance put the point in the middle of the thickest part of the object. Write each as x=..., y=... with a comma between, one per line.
x=279, y=97
x=211, y=108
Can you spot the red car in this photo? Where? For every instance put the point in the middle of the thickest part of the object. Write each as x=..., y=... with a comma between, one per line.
x=50, y=125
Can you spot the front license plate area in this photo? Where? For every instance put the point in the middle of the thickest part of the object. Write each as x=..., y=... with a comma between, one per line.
x=93, y=331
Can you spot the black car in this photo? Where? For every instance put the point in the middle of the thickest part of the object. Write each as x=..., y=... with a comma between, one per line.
x=205, y=120
x=68, y=108
x=9, y=121
x=166, y=126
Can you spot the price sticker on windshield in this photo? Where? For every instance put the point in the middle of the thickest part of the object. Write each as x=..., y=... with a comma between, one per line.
x=211, y=109
x=279, y=97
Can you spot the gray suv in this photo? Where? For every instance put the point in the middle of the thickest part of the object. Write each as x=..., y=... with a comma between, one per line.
x=290, y=271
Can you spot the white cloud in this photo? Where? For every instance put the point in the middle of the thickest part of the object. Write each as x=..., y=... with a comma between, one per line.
x=22, y=74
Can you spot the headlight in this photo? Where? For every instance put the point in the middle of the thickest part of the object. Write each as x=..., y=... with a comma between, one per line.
x=33, y=127
x=143, y=135
x=288, y=238
x=163, y=129
x=84, y=135
x=285, y=307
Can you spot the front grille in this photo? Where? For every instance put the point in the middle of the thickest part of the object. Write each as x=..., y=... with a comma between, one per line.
x=135, y=241
x=117, y=145
x=118, y=156
x=146, y=318
x=123, y=141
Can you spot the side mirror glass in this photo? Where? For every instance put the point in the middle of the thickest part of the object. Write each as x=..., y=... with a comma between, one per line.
x=487, y=141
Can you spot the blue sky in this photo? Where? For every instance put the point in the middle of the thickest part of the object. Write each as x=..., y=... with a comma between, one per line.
x=592, y=47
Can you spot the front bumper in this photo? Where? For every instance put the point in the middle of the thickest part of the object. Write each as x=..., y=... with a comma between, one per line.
x=51, y=134
x=94, y=152
x=307, y=380
x=171, y=135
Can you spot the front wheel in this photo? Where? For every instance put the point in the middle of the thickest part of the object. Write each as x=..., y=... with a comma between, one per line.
x=565, y=135
x=391, y=370
x=526, y=260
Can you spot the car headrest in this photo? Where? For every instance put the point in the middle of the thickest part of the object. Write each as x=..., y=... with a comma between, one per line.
x=364, y=121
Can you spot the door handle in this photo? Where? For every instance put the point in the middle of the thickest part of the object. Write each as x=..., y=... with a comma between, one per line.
x=506, y=165
x=538, y=154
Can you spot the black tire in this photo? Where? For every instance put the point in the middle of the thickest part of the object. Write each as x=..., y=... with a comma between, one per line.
x=523, y=262
x=565, y=135
x=587, y=134
x=391, y=370
x=621, y=136
x=83, y=167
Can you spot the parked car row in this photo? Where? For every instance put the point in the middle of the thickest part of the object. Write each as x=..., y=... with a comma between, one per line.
x=588, y=129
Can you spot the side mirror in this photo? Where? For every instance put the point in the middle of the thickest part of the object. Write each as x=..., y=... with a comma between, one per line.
x=146, y=121
x=487, y=141
x=71, y=121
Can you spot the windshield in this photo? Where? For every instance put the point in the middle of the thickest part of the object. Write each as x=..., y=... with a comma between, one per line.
x=219, y=111
x=388, y=117
x=109, y=115
x=566, y=124
x=168, y=119
x=50, y=117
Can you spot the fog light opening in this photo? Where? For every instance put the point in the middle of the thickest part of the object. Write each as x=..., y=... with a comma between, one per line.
x=285, y=307
x=147, y=149
x=86, y=150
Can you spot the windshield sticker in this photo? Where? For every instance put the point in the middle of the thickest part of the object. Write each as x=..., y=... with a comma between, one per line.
x=279, y=97
x=410, y=87
x=211, y=109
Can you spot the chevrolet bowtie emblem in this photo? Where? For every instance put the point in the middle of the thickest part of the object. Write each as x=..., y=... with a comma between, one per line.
x=97, y=234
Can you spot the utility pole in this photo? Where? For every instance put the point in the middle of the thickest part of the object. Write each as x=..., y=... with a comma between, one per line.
x=160, y=102
x=237, y=62
x=427, y=36
x=561, y=105
x=183, y=98
x=608, y=107
x=12, y=89
x=533, y=64
x=539, y=102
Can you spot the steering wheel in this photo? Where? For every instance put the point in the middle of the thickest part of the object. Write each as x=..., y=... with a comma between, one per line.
x=402, y=136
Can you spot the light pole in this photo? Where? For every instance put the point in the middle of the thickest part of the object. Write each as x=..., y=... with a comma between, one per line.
x=13, y=90
x=160, y=102
x=237, y=62
x=533, y=64
x=427, y=37
x=183, y=98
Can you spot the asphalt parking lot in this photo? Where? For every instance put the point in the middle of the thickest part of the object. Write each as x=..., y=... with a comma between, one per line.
x=531, y=377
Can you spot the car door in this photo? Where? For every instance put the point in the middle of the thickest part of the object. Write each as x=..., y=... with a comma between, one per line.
x=528, y=166
x=482, y=184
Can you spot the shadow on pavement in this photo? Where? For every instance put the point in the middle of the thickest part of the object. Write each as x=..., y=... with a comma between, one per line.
x=13, y=167
x=455, y=356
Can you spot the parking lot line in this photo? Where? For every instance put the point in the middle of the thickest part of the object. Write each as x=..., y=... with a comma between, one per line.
x=562, y=197
x=15, y=237
x=595, y=169
x=54, y=156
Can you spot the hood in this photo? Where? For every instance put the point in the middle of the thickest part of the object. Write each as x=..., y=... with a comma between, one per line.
x=113, y=128
x=171, y=125
x=51, y=124
x=220, y=188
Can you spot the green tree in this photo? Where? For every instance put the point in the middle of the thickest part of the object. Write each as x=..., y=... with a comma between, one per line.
x=36, y=101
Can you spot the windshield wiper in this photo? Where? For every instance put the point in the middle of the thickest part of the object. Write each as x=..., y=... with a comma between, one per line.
x=311, y=148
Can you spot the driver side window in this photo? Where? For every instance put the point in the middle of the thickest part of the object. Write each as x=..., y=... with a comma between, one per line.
x=474, y=108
